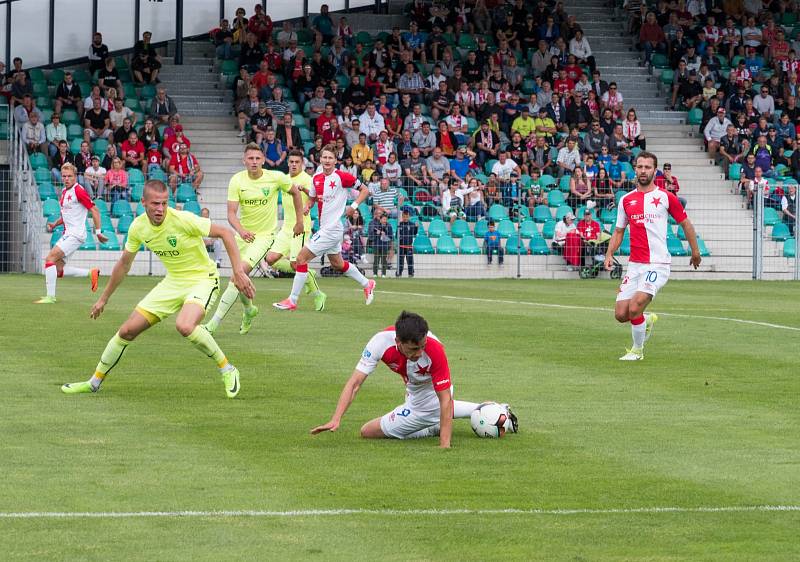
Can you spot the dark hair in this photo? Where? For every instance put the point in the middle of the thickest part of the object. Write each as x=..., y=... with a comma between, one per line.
x=650, y=155
x=296, y=152
x=410, y=327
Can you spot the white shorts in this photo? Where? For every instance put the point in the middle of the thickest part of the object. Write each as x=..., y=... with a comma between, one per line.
x=411, y=417
x=69, y=244
x=326, y=242
x=643, y=278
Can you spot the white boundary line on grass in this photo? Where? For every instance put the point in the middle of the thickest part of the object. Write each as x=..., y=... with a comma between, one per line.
x=394, y=512
x=594, y=308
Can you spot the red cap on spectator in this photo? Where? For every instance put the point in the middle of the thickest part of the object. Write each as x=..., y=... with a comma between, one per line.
x=178, y=128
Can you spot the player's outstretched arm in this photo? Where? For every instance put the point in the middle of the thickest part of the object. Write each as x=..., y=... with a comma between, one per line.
x=345, y=399
x=121, y=269
x=98, y=224
x=445, y=417
x=233, y=220
x=299, y=227
x=613, y=245
x=239, y=277
x=691, y=237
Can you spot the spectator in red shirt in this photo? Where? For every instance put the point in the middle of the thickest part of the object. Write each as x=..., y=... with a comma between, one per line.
x=651, y=36
x=260, y=25
x=184, y=168
x=261, y=78
x=172, y=142
x=326, y=120
x=668, y=182
x=563, y=85
x=589, y=230
x=273, y=58
x=133, y=152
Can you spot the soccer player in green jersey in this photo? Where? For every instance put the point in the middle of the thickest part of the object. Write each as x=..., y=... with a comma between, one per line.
x=283, y=253
x=191, y=284
x=253, y=194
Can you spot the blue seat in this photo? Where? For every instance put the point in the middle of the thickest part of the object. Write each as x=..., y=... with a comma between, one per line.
x=528, y=229
x=89, y=243
x=555, y=199
x=562, y=211
x=790, y=248
x=51, y=207
x=101, y=205
x=185, y=193
x=780, y=232
x=497, y=212
x=506, y=228
x=542, y=214
x=47, y=191
x=192, y=207
x=124, y=224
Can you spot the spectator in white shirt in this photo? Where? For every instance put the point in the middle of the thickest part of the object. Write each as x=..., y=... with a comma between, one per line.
x=414, y=120
x=568, y=157
x=716, y=128
x=764, y=103
x=579, y=46
x=33, y=134
x=372, y=123
x=425, y=139
x=505, y=168
x=564, y=226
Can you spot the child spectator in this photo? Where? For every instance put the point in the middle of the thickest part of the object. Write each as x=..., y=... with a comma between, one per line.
x=406, y=232
x=492, y=243
x=381, y=240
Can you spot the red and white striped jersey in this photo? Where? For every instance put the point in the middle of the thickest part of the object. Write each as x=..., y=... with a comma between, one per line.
x=75, y=204
x=331, y=193
x=429, y=373
x=648, y=214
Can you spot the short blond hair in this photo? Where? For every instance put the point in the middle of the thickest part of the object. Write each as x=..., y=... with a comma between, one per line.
x=69, y=166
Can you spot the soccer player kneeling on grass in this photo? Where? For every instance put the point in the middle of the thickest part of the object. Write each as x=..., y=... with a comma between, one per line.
x=190, y=286
x=647, y=210
x=409, y=349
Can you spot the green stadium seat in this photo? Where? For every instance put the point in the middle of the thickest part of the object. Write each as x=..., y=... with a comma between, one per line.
x=562, y=211
x=659, y=61
x=675, y=246
x=547, y=181
x=701, y=245
x=50, y=207
x=549, y=229
x=667, y=75
x=121, y=208
x=148, y=92
x=57, y=233
x=515, y=246
x=481, y=228
x=82, y=75
x=422, y=245
x=497, y=212
x=625, y=247
x=90, y=243
x=459, y=229
x=420, y=196
x=139, y=209
x=608, y=216
x=38, y=160
x=112, y=243
x=124, y=223
x=469, y=246
x=771, y=216
x=446, y=245
x=528, y=229
x=70, y=117
x=186, y=193
x=158, y=174
x=780, y=232
x=105, y=223
x=99, y=147
x=563, y=184
x=102, y=206
x=437, y=228
x=75, y=145
x=506, y=228
x=541, y=213
x=192, y=207
x=47, y=191
x=488, y=166
x=522, y=213
x=229, y=67
x=56, y=77
x=539, y=246
x=42, y=175
x=695, y=116
x=790, y=248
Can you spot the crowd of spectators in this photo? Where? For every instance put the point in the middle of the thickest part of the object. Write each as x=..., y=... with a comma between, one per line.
x=115, y=135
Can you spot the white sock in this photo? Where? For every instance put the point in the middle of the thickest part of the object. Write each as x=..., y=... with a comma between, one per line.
x=75, y=271
x=225, y=302
x=50, y=276
x=638, y=332
x=462, y=409
x=353, y=273
x=431, y=431
x=297, y=285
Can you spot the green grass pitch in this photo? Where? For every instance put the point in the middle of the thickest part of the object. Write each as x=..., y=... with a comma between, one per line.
x=709, y=419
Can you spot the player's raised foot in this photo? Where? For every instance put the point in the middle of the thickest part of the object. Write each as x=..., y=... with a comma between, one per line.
x=84, y=387
x=512, y=423
x=633, y=355
x=285, y=304
x=247, y=319
x=649, y=322
x=319, y=301
x=369, y=291
x=231, y=380
x=94, y=275
x=211, y=326
x=45, y=300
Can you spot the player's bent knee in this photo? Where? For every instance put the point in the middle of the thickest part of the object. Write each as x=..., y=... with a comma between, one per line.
x=372, y=430
x=185, y=328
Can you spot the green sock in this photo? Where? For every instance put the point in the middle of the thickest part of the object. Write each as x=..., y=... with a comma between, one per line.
x=111, y=355
x=284, y=266
x=225, y=303
x=246, y=302
x=202, y=340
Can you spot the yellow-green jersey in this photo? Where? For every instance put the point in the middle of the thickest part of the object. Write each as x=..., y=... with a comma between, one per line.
x=303, y=180
x=178, y=243
x=258, y=199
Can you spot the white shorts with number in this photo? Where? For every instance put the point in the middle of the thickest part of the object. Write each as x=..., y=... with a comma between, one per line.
x=420, y=413
x=643, y=278
x=69, y=244
x=326, y=242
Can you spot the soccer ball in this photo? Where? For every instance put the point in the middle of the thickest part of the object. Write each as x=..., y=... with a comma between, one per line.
x=489, y=420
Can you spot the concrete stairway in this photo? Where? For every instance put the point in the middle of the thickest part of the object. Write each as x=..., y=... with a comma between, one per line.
x=196, y=85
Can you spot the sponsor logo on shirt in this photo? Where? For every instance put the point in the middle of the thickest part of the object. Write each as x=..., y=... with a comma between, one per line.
x=366, y=354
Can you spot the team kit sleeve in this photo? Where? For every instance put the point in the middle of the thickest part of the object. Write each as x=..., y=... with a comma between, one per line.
x=372, y=354
x=83, y=197
x=284, y=182
x=676, y=210
x=134, y=241
x=194, y=225
x=622, y=215
x=440, y=369
x=233, y=189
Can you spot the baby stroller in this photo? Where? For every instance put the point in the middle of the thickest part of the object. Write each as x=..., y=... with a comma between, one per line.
x=594, y=255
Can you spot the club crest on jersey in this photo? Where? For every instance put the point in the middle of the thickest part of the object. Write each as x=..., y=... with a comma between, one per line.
x=173, y=241
x=265, y=191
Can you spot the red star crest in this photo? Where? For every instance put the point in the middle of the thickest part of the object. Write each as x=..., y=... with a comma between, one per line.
x=423, y=370
x=332, y=185
x=69, y=197
x=656, y=201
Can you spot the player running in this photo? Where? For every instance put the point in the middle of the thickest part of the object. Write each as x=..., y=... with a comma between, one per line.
x=75, y=207
x=254, y=192
x=329, y=192
x=647, y=210
x=283, y=253
x=190, y=286
x=409, y=349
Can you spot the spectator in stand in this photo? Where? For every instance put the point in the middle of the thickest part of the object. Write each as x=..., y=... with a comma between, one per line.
x=595, y=139
x=184, y=168
x=288, y=133
x=563, y=227
x=578, y=114
x=763, y=153
x=411, y=83
x=153, y=58
x=493, y=244
x=33, y=135
x=323, y=27
x=714, y=130
x=438, y=169
x=96, y=123
x=149, y=133
x=730, y=149
x=632, y=130
x=108, y=76
x=133, y=153
x=386, y=199
x=613, y=100
x=764, y=103
x=668, y=182
x=260, y=24
x=119, y=114
x=789, y=208
x=62, y=156
x=251, y=53
x=540, y=157
x=414, y=170
x=579, y=47
x=173, y=142
x=94, y=178
x=372, y=123
x=248, y=107
x=153, y=159
x=569, y=157
x=108, y=157
x=223, y=41
x=486, y=144
x=117, y=182
x=603, y=190
x=162, y=107
x=259, y=123
x=98, y=53
x=361, y=152
x=651, y=37
x=446, y=140
x=20, y=87
x=275, y=152
x=589, y=230
x=381, y=235
x=55, y=131
x=406, y=232
x=580, y=189
x=68, y=95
